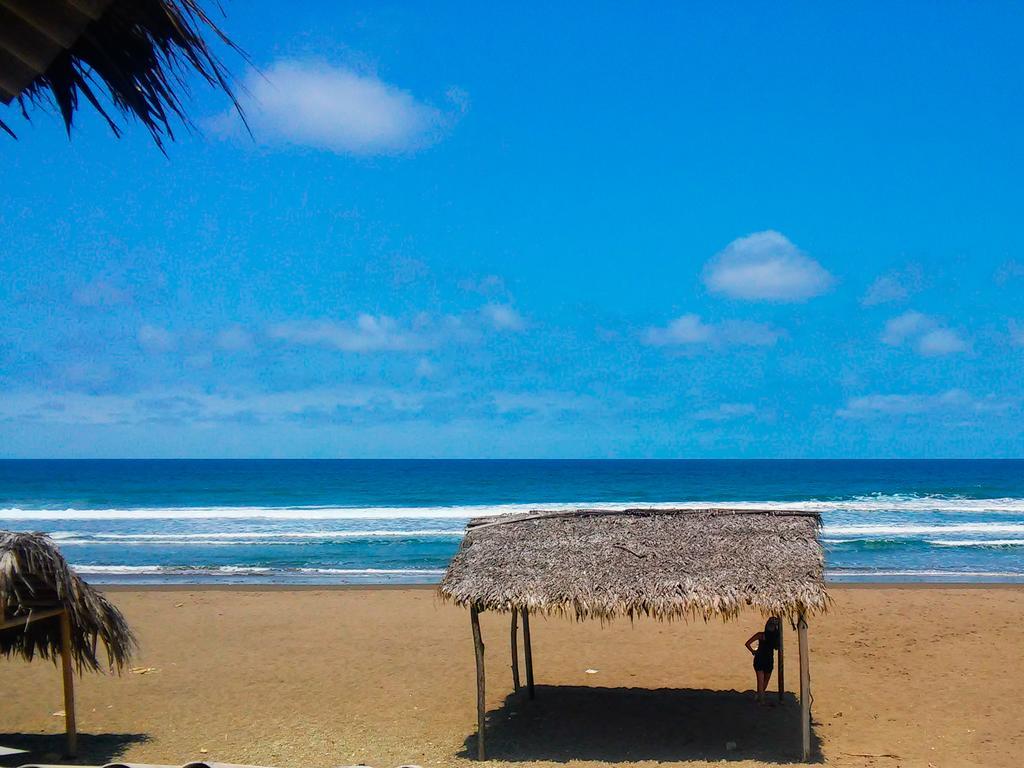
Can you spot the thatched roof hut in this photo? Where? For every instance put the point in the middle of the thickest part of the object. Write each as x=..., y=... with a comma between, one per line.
x=47, y=610
x=136, y=52
x=663, y=563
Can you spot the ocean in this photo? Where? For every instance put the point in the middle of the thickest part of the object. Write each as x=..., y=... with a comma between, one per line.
x=348, y=522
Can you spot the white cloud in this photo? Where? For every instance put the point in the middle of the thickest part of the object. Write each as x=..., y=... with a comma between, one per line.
x=155, y=339
x=486, y=285
x=940, y=341
x=905, y=326
x=204, y=408
x=690, y=330
x=542, y=403
x=1016, y=333
x=766, y=266
x=425, y=369
x=311, y=103
x=893, y=286
x=100, y=293
x=955, y=402
x=726, y=412
x=924, y=334
x=382, y=333
x=369, y=333
x=234, y=338
x=502, y=317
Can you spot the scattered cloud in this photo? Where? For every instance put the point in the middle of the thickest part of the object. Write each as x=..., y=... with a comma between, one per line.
x=1008, y=271
x=425, y=369
x=542, y=403
x=940, y=341
x=955, y=402
x=1016, y=330
x=303, y=406
x=487, y=285
x=690, y=331
x=726, y=412
x=924, y=333
x=382, y=333
x=369, y=333
x=502, y=317
x=766, y=266
x=100, y=293
x=152, y=338
x=893, y=286
x=234, y=338
x=335, y=108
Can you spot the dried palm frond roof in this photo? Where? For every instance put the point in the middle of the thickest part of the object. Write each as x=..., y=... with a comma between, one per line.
x=137, y=53
x=664, y=563
x=35, y=578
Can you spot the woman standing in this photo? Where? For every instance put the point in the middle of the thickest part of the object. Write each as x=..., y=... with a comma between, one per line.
x=764, y=655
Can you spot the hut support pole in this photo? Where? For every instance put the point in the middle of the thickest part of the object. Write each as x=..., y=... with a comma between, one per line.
x=515, y=650
x=782, y=664
x=805, y=687
x=528, y=648
x=478, y=646
x=69, y=684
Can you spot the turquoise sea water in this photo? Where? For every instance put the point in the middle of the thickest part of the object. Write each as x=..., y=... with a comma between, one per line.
x=401, y=521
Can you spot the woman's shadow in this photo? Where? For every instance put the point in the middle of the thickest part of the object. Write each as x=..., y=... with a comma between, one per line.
x=629, y=724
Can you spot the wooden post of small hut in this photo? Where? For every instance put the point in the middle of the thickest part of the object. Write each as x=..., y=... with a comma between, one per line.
x=70, y=727
x=478, y=646
x=528, y=651
x=782, y=664
x=805, y=687
x=46, y=610
x=515, y=651
x=662, y=563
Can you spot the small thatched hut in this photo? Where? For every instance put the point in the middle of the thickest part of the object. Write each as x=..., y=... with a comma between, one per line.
x=46, y=610
x=136, y=52
x=663, y=563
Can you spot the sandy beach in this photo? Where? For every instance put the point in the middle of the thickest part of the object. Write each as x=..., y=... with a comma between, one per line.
x=902, y=676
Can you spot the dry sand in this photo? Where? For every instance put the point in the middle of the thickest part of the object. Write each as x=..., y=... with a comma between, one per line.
x=902, y=676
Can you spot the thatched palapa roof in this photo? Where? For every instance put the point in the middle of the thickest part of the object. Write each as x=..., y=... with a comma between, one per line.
x=663, y=563
x=35, y=579
x=133, y=55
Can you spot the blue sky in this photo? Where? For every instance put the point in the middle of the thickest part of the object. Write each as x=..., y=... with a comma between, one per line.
x=583, y=231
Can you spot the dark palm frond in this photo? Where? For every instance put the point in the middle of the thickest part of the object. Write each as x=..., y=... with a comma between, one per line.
x=34, y=577
x=137, y=55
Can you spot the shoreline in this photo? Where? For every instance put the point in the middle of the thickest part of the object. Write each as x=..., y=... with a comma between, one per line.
x=271, y=587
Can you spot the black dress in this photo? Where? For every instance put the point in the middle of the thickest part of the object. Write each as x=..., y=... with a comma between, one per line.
x=764, y=656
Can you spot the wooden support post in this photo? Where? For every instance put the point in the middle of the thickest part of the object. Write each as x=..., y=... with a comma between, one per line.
x=805, y=687
x=478, y=646
x=528, y=648
x=782, y=664
x=515, y=650
x=69, y=684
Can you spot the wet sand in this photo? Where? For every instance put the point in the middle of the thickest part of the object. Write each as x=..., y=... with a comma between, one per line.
x=901, y=676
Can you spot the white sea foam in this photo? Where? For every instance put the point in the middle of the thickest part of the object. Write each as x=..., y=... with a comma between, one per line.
x=925, y=573
x=995, y=543
x=243, y=570
x=922, y=530
x=241, y=538
x=376, y=571
x=874, y=503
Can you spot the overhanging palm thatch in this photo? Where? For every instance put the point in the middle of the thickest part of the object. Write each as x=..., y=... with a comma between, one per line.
x=664, y=563
x=36, y=580
x=138, y=51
